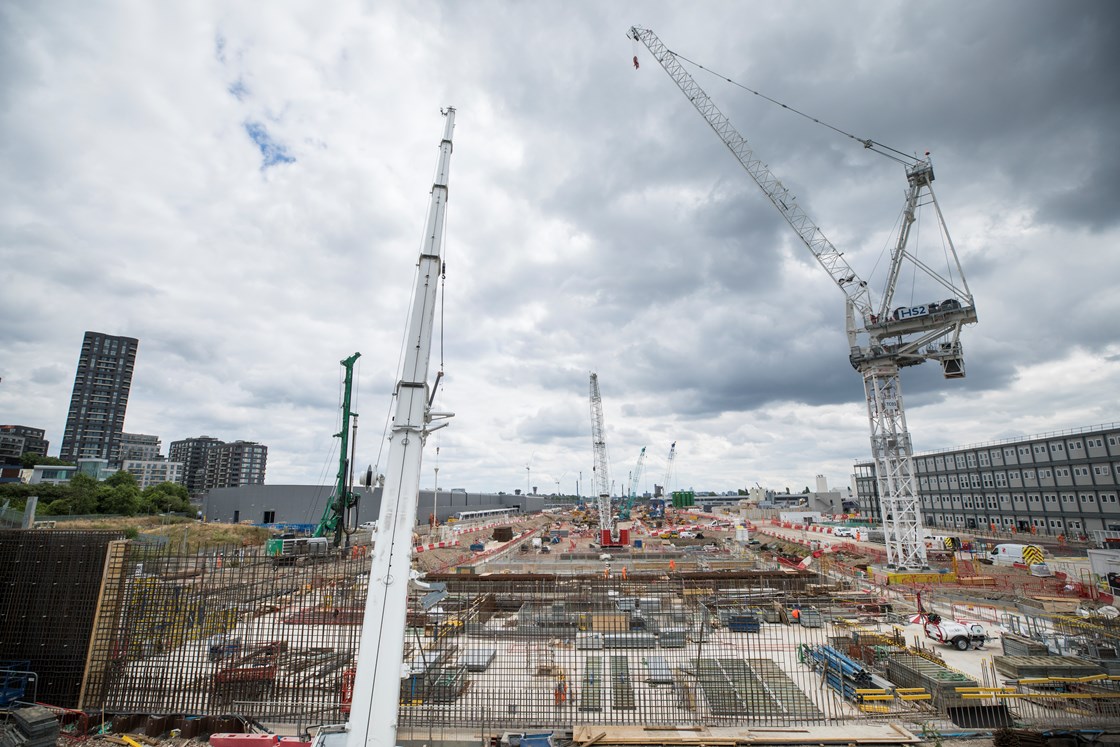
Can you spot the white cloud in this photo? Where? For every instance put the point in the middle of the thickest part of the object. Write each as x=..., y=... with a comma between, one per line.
x=595, y=223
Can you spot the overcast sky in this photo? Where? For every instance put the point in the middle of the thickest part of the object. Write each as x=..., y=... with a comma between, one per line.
x=244, y=190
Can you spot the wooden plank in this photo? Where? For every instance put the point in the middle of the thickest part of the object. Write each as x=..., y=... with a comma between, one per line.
x=861, y=733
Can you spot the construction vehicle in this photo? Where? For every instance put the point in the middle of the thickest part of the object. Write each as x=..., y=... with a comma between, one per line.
x=340, y=517
x=377, y=679
x=883, y=337
x=962, y=636
x=635, y=477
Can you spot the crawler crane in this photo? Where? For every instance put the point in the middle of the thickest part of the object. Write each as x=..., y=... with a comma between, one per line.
x=881, y=340
x=377, y=680
x=607, y=529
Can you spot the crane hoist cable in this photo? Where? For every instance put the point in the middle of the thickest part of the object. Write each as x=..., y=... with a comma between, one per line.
x=872, y=145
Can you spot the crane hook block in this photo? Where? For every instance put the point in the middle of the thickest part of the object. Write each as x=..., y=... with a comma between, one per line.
x=636, y=65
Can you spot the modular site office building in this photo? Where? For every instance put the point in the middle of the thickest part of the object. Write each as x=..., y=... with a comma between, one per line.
x=1063, y=483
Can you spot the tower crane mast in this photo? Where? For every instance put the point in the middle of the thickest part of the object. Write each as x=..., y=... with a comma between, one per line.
x=377, y=680
x=635, y=480
x=602, y=478
x=880, y=341
x=669, y=467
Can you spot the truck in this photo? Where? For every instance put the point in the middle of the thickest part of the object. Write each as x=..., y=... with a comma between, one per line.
x=962, y=636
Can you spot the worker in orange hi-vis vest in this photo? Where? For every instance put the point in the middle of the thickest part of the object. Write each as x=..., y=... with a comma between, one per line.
x=672, y=565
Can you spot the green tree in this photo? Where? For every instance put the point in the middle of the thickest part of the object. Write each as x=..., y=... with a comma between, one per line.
x=119, y=494
x=165, y=497
x=31, y=459
x=83, y=494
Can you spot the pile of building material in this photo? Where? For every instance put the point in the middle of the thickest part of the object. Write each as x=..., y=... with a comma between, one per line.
x=1018, y=667
x=33, y=726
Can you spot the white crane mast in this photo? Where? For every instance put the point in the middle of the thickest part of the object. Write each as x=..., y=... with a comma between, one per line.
x=669, y=468
x=377, y=681
x=880, y=341
x=599, y=446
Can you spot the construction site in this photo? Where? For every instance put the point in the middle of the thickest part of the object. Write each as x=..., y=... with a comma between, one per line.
x=611, y=621
x=678, y=638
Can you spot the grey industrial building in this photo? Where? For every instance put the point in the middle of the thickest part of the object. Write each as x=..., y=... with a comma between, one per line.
x=95, y=420
x=1063, y=483
x=304, y=504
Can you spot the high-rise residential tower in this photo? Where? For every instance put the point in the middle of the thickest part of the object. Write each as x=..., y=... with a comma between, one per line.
x=95, y=420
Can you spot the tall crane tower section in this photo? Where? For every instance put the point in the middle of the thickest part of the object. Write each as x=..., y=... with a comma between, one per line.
x=881, y=339
x=635, y=480
x=601, y=468
x=377, y=680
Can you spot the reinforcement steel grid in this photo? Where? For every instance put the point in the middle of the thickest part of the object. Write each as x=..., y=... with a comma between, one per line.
x=236, y=632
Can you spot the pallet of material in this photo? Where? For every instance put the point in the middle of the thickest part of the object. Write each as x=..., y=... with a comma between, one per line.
x=1016, y=645
x=908, y=670
x=1018, y=667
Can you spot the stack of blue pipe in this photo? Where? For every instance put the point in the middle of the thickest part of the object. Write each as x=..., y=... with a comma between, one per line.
x=843, y=674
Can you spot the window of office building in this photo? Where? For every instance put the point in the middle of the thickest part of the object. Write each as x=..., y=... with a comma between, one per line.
x=1028, y=474
x=1080, y=471
x=1075, y=446
x=1050, y=498
x=1045, y=473
x=1040, y=448
x=940, y=462
x=975, y=479
x=1056, y=447
x=984, y=461
x=1001, y=480
x=988, y=480
x=960, y=461
x=1100, y=470
x=1087, y=498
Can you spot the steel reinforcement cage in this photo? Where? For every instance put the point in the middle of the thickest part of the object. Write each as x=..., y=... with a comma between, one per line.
x=239, y=632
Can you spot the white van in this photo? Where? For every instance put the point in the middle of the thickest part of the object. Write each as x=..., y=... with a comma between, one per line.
x=1009, y=554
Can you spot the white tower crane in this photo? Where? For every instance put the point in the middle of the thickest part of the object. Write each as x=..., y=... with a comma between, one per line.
x=602, y=478
x=669, y=469
x=881, y=341
x=377, y=680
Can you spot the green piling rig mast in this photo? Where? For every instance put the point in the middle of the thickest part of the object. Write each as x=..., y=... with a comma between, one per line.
x=340, y=515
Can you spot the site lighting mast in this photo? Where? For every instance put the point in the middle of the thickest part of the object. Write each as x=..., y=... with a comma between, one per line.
x=881, y=341
x=377, y=681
